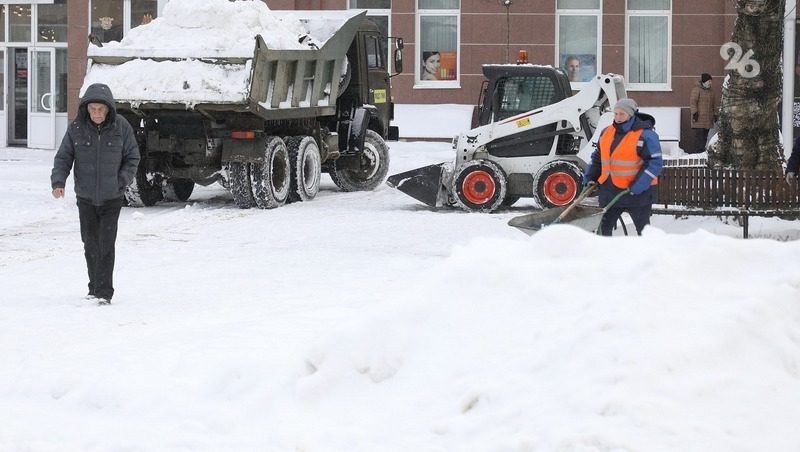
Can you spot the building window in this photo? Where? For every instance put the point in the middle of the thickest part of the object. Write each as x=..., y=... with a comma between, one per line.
x=379, y=12
x=52, y=22
x=2, y=22
x=110, y=20
x=438, y=26
x=578, y=26
x=648, y=40
x=19, y=23
x=142, y=12
x=107, y=21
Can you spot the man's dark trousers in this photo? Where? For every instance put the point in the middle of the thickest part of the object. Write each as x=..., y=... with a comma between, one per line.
x=639, y=214
x=99, y=234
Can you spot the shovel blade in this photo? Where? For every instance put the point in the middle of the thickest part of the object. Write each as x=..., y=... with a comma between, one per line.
x=584, y=217
x=423, y=184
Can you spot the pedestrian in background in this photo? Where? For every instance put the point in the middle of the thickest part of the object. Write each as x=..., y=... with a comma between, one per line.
x=704, y=105
x=628, y=156
x=101, y=148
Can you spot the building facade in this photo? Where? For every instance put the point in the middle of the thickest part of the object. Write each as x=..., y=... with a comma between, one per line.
x=660, y=46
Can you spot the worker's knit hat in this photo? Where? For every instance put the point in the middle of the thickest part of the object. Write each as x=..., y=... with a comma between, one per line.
x=627, y=105
x=705, y=77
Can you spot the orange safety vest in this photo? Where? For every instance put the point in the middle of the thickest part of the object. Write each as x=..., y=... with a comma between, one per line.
x=625, y=163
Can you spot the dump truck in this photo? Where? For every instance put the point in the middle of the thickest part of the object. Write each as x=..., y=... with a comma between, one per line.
x=265, y=123
x=531, y=138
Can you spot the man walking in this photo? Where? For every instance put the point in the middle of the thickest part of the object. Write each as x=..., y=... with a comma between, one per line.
x=102, y=149
x=628, y=156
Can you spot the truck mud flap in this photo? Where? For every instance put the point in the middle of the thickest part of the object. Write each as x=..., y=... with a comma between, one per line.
x=424, y=184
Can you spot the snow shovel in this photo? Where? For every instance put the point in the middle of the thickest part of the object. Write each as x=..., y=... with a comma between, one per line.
x=584, y=217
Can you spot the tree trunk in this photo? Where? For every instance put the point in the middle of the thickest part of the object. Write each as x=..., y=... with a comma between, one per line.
x=748, y=123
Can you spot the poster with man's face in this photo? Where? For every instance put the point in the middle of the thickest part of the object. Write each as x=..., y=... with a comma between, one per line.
x=579, y=67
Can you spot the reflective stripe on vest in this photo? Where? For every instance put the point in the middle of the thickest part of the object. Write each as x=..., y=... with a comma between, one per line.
x=624, y=164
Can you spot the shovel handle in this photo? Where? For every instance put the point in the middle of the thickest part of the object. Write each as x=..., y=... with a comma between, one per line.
x=586, y=191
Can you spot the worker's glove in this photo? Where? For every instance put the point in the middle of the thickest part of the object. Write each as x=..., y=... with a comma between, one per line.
x=789, y=177
x=639, y=186
x=695, y=116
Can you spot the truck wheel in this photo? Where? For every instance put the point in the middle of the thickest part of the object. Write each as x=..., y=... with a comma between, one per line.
x=142, y=191
x=348, y=175
x=480, y=186
x=178, y=189
x=239, y=182
x=270, y=179
x=557, y=184
x=306, y=168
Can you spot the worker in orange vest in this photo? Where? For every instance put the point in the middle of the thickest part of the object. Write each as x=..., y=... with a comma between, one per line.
x=628, y=156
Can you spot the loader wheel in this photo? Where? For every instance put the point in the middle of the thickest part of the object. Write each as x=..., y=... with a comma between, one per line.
x=143, y=190
x=480, y=186
x=557, y=184
x=270, y=179
x=239, y=184
x=510, y=200
x=368, y=172
x=178, y=189
x=306, y=169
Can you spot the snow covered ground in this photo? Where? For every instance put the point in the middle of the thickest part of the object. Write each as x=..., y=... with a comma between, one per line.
x=368, y=322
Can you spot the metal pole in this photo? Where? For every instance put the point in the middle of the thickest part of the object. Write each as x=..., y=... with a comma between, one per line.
x=787, y=112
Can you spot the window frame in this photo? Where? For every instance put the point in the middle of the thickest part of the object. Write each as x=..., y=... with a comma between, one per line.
x=126, y=14
x=630, y=13
x=379, y=12
x=583, y=12
x=435, y=84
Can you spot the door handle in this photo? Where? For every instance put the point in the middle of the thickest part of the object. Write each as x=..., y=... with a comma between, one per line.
x=41, y=101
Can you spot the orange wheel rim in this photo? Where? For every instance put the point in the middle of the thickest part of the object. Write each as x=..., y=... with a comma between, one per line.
x=560, y=188
x=478, y=187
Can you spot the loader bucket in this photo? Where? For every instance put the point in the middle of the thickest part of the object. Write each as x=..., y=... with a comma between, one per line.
x=423, y=184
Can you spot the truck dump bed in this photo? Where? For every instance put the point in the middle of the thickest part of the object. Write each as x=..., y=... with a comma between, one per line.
x=268, y=82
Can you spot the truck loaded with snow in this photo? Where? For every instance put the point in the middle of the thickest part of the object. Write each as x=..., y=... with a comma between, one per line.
x=262, y=101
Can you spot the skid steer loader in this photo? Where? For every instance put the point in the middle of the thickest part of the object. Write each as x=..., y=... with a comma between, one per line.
x=532, y=139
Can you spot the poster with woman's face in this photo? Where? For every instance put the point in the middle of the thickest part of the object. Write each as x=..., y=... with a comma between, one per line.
x=438, y=65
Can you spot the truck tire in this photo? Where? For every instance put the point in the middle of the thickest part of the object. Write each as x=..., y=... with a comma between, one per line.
x=240, y=187
x=270, y=179
x=557, y=184
x=178, y=189
x=373, y=169
x=142, y=191
x=480, y=186
x=306, y=169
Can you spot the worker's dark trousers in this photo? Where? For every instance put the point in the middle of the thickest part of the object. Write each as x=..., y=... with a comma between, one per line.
x=99, y=234
x=639, y=214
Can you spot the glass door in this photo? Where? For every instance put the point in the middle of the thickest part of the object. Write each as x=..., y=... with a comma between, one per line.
x=3, y=97
x=41, y=103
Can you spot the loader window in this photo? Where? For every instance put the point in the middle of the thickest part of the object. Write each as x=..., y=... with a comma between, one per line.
x=521, y=94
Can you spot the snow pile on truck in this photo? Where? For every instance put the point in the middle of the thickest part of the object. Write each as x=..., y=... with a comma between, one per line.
x=201, y=51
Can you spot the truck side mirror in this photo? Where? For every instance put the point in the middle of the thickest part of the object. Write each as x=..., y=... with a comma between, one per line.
x=398, y=55
x=398, y=61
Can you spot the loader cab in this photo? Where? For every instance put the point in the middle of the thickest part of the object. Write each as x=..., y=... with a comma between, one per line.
x=510, y=90
x=367, y=81
x=514, y=90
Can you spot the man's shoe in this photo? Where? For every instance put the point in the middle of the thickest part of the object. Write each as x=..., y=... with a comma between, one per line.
x=90, y=296
x=103, y=301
